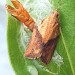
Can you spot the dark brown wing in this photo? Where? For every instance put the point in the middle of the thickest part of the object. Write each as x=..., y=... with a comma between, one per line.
x=34, y=48
x=48, y=50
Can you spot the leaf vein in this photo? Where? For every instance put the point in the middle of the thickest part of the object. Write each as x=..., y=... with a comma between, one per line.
x=68, y=55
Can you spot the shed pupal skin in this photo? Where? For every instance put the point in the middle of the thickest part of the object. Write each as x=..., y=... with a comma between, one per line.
x=21, y=14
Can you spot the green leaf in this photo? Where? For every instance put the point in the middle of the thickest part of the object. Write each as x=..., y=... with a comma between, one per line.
x=62, y=62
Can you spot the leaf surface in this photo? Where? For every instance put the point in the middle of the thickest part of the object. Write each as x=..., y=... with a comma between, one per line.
x=62, y=62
